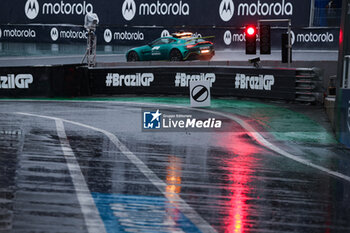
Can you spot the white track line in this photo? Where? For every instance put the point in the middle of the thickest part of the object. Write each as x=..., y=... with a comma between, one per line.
x=258, y=137
x=253, y=133
x=175, y=199
x=93, y=221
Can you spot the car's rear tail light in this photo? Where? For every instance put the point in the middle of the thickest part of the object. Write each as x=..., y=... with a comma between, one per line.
x=190, y=46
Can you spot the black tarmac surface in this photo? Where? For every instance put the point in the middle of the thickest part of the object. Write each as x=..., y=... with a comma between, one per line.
x=100, y=173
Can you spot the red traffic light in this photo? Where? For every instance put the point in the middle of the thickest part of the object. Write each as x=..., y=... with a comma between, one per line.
x=250, y=31
x=250, y=39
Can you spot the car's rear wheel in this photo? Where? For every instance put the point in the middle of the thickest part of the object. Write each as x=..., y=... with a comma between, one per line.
x=132, y=56
x=175, y=55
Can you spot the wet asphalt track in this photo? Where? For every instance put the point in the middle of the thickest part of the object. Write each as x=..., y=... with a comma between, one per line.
x=99, y=173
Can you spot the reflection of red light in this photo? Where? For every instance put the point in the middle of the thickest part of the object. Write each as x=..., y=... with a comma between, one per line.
x=341, y=36
x=237, y=213
x=250, y=31
x=239, y=171
x=238, y=144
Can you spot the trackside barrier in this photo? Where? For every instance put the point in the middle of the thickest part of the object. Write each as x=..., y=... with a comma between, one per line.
x=226, y=81
x=309, y=85
x=343, y=115
x=43, y=81
x=138, y=79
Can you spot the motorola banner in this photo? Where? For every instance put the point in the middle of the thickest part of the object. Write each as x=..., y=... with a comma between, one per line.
x=127, y=36
x=243, y=12
x=326, y=39
x=46, y=11
x=225, y=82
x=41, y=33
x=19, y=33
x=155, y=12
x=301, y=38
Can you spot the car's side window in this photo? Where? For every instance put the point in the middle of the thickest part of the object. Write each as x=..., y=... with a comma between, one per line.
x=162, y=41
x=156, y=42
x=167, y=41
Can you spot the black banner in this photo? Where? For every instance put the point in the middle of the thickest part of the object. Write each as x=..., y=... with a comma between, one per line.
x=225, y=81
x=48, y=34
x=233, y=13
x=304, y=38
x=48, y=81
x=75, y=80
x=137, y=22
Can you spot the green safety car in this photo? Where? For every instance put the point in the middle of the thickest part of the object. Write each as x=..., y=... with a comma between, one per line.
x=178, y=47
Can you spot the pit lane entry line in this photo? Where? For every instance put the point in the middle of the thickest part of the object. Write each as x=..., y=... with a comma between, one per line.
x=173, y=198
x=93, y=221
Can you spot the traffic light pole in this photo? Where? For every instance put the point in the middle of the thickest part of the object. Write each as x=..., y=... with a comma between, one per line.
x=289, y=21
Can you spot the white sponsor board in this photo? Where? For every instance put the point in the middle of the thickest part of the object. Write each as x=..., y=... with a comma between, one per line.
x=200, y=93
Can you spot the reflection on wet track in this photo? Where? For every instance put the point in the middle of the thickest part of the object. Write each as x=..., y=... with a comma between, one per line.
x=178, y=181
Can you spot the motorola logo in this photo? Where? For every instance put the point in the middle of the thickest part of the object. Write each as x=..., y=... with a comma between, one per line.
x=54, y=34
x=227, y=37
x=31, y=9
x=226, y=10
x=108, y=35
x=18, y=33
x=165, y=33
x=129, y=9
x=292, y=37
